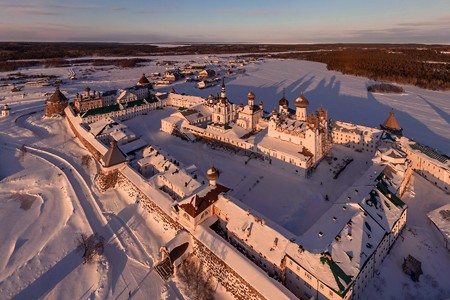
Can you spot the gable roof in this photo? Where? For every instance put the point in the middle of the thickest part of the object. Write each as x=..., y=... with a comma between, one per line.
x=198, y=203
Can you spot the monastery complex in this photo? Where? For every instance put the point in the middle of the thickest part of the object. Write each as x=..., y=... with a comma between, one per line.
x=334, y=259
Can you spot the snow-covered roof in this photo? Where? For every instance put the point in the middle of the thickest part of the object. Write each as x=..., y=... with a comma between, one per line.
x=375, y=203
x=234, y=132
x=441, y=218
x=427, y=153
x=194, y=113
x=356, y=129
x=182, y=180
x=284, y=147
x=98, y=126
x=291, y=125
x=256, y=277
x=156, y=159
x=395, y=157
x=132, y=146
x=338, y=245
x=258, y=232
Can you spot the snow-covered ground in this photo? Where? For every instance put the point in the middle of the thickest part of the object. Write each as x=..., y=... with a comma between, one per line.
x=47, y=198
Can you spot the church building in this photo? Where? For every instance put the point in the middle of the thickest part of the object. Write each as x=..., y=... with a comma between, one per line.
x=250, y=115
x=224, y=111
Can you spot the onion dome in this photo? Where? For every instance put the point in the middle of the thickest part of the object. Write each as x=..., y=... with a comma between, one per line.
x=143, y=80
x=58, y=96
x=301, y=101
x=241, y=105
x=212, y=173
x=211, y=97
x=260, y=103
x=283, y=101
x=251, y=96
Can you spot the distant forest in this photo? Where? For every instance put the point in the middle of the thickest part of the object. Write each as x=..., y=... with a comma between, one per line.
x=426, y=66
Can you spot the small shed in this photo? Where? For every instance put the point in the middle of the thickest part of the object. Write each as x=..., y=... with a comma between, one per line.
x=412, y=267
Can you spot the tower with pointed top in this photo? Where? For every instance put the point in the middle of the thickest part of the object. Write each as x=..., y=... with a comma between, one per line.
x=391, y=125
x=56, y=104
x=223, y=111
x=223, y=94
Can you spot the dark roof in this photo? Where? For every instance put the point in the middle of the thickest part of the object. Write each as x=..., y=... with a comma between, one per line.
x=143, y=80
x=178, y=251
x=198, y=204
x=57, y=96
x=109, y=93
x=113, y=156
x=430, y=153
x=283, y=101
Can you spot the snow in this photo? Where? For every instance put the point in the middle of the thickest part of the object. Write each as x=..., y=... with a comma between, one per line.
x=38, y=251
x=441, y=218
x=256, y=277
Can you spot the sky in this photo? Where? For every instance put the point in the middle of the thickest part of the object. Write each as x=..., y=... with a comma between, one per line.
x=252, y=21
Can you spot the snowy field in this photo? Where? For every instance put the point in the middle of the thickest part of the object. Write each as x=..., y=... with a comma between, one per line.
x=47, y=197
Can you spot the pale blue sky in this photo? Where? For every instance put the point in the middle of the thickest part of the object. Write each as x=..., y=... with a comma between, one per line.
x=262, y=21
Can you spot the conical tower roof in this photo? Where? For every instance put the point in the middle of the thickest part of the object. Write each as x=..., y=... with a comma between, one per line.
x=143, y=80
x=113, y=156
x=391, y=122
x=57, y=96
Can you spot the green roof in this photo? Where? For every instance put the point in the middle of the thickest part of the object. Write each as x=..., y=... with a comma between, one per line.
x=382, y=187
x=111, y=108
x=430, y=152
x=151, y=99
x=101, y=110
x=339, y=274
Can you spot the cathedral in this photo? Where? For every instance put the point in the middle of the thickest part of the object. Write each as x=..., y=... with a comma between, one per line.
x=224, y=111
x=250, y=115
x=310, y=132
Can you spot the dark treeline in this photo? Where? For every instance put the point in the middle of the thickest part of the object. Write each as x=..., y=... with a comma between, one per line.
x=427, y=66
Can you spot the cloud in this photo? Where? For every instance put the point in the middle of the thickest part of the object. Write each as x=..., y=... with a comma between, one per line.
x=401, y=34
x=118, y=8
x=249, y=12
x=442, y=21
x=72, y=6
x=27, y=10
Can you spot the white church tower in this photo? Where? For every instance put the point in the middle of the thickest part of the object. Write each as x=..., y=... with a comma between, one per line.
x=301, y=104
x=224, y=111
